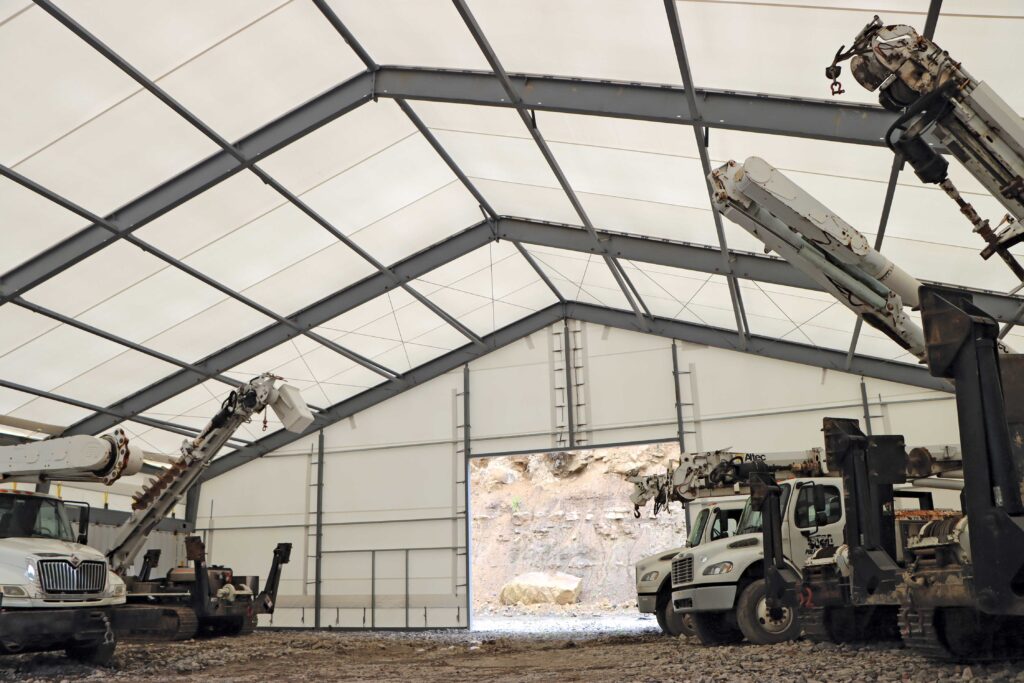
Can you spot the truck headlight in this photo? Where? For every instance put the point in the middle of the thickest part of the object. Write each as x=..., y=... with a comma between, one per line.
x=117, y=590
x=718, y=568
x=649, y=576
x=14, y=591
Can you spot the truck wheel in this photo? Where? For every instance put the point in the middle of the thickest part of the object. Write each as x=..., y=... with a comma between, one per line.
x=674, y=623
x=756, y=621
x=97, y=654
x=714, y=628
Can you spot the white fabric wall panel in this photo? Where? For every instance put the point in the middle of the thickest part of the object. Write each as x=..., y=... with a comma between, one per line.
x=394, y=531
x=511, y=393
x=626, y=391
x=750, y=403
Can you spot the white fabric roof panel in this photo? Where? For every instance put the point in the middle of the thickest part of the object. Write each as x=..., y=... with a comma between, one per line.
x=487, y=288
x=84, y=130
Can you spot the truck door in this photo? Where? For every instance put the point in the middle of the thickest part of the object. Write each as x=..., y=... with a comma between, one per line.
x=816, y=520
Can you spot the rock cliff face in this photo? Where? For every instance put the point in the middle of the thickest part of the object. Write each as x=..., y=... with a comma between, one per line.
x=567, y=512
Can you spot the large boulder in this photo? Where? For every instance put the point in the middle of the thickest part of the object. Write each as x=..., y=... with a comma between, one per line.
x=542, y=587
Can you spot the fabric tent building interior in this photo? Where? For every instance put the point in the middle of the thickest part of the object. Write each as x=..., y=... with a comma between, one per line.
x=193, y=194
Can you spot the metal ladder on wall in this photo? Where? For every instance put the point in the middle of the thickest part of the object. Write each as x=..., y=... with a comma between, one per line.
x=571, y=420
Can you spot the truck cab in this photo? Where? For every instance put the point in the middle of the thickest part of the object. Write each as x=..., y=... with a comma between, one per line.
x=707, y=519
x=53, y=587
x=721, y=583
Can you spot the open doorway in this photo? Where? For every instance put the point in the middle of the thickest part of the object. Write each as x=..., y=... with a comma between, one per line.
x=555, y=540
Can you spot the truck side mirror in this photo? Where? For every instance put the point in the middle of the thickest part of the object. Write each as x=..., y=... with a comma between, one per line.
x=83, y=526
x=83, y=519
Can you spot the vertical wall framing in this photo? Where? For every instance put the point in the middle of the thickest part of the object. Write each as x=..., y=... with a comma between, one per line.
x=467, y=450
x=318, y=566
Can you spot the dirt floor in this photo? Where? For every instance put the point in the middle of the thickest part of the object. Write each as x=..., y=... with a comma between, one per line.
x=566, y=646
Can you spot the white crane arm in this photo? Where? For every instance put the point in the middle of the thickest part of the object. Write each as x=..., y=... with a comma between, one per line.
x=103, y=459
x=941, y=104
x=789, y=221
x=715, y=472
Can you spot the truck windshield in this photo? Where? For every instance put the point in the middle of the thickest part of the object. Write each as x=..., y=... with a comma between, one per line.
x=33, y=517
x=698, y=528
x=750, y=519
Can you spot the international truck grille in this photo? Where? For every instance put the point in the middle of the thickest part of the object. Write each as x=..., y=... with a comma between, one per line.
x=682, y=570
x=60, y=576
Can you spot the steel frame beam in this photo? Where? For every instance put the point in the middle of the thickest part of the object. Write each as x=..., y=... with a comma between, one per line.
x=686, y=75
x=619, y=319
x=642, y=249
x=630, y=293
x=705, y=259
x=817, y=119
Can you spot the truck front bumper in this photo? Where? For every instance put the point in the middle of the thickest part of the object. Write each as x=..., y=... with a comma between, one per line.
x=647, y=602
x=713, y=598
x=36, y=630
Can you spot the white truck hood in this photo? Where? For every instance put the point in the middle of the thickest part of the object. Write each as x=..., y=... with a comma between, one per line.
x=15, y=552
x=665, y=556
x=728, y=548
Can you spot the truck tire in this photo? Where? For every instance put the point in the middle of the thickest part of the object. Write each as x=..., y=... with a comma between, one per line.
x=97, y=654
x=673, y=623
x=757, y=624
x=715, y=628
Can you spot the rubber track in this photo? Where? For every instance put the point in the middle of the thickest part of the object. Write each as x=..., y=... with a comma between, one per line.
x=188, y=623
x=248, y=625
x=812, y=621
x=917, y=628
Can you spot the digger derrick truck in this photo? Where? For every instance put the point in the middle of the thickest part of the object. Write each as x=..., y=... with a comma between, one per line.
x=56, y=592
x=707, y=519
x=941, y=105
x=201, y=598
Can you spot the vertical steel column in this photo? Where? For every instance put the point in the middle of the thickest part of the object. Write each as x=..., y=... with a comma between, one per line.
x=317, y=567
x=373, y=589
x=466, y=449
x=570, y=408
x=679, y=397
x=407, y=588
x=867, y=408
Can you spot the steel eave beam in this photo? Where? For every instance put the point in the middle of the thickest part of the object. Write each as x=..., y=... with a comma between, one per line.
x=819, y=119
x=776, y=349
x=745, y=265
x=620, y=319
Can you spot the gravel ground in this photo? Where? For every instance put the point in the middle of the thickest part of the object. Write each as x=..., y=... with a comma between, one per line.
x=570, y=648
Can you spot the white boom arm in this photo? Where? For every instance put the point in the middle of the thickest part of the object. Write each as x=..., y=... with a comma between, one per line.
x=941, y=103
x=708, y=473
x=162, y=493
x=102, y=459
x=792, y=223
